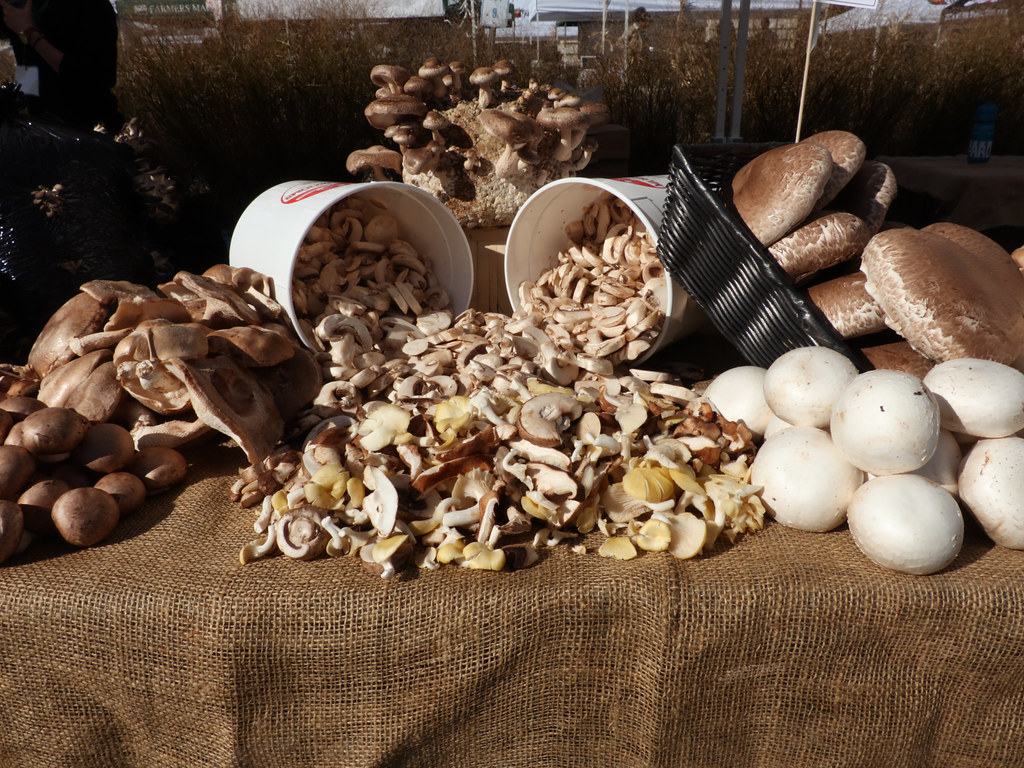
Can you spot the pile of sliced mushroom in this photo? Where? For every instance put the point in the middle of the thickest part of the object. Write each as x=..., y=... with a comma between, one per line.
x=480, y=439
x=605, y=296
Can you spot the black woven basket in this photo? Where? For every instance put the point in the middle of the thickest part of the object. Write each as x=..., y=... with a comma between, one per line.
x=706, y=248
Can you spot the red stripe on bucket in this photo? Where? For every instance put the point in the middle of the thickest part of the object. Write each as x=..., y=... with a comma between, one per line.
x=306, y=191
x=642, y=183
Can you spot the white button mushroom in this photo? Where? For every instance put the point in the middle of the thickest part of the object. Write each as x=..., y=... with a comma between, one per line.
x=807, y=482
x=992, y=487
x=738, y=394
x=802, y=386
x=886, y=423
x=906, y=523
x=978, y=397
x=944, y=465
x=775, y=425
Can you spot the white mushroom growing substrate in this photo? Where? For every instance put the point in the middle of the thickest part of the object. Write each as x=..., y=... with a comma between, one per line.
x=890, y=463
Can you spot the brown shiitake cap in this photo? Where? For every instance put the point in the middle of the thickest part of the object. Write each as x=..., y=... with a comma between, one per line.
x=16, y=467
x=778, y=189
x=420, y=87
x=85, y=516
x=80, y=316
x=128, y=491
x=252, y=346
x=435, y=121
x=935, y=296
x=399, y=108
x=21, y=406
x=12, y=526
x=418, y=160
x=505, y=126
x=390, y=76
x=899, y=356
x=108, y=291
x=848, y=306
x=58, y=385
x=6, y=422
x=562, y=118
x=828, y=239
x=52, y=431
x=503, y=68
x=432, y=68
x=36, y=503
x=1018, y=257
x=374, y=160
x=869, y=194
x=159, y=468
x=105, y=448
x=483, y=76
x=847, y=152
x=99, y=397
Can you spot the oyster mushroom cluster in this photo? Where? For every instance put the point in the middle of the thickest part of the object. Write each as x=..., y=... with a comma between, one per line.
x=605, y=297
x=473, y=138
x=203, y=353
x=61, y=475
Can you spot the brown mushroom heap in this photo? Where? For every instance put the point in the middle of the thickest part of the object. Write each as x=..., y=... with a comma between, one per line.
x=474, y=139
x=947, y=291
x=605, y=297
x=204, y=352
x=62, y=476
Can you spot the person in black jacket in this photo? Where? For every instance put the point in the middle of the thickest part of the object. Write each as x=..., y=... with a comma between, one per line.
x=73, y=46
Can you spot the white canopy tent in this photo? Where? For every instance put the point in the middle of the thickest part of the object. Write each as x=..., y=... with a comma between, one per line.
x=889, y=13
x=364, y=9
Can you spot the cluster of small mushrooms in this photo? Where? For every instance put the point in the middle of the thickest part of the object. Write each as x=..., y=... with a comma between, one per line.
x=946, y=290
x=885, y=451
x=478, y=439
x=474, y=139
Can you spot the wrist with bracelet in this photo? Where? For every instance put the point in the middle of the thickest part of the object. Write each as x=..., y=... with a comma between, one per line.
x=31, y=36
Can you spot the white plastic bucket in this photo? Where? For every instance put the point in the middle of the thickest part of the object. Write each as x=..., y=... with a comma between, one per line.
x=537, y=235
x=271, y=230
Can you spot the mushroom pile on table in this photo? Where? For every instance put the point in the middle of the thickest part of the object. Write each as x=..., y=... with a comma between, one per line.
x=121, y=376
x=473, y=138
x=478, y=439
x=883, y=451
x=948, y=291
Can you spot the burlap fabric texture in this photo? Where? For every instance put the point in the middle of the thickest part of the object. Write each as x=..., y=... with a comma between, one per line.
x=158, y=649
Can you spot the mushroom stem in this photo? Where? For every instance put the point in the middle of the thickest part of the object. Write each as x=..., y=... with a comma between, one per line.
x=563, y=152
x=486, y=99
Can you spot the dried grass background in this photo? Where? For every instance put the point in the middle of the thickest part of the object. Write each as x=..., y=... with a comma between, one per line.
x=261, y=102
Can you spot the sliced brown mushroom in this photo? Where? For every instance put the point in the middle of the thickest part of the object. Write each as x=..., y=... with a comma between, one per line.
x=299, y=535
x=545, y=419
x=229, y=399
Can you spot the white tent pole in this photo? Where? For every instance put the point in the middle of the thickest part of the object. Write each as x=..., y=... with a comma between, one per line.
x=604, y=23
x=739, y=70
x=807, y=68
x=724, y=38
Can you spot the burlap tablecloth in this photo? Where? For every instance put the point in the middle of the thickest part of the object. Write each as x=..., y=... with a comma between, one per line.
x=158, y=649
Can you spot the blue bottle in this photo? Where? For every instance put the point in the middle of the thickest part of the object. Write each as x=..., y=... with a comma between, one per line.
x=982, y=133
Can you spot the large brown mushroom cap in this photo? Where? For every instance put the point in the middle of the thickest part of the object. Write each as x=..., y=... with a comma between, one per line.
x=85, y=516
x=6, y=422
x=779, y=188
x=938, y=300
x=159, y=468
x=108, y=291
x=81, y=315
x=385, y=112
x=229, y=399
x=141, y=362
x=100, y=396
x=21, y=406
x=61, y=382
x=848, y=306
x=127, y=490
x=12, y=526
x=983, y=248
x=847, y=152
x=105, y=448
x=16, y=467
x=294, y=384
x=36, y=503
x=899, y=356
x=52, y=431
x=869, y=194
x=828, y=239
x=252, y=346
